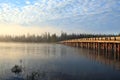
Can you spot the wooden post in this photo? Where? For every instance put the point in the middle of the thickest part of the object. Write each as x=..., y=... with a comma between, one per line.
x=112, y=48
x=99, y=48
x=77, y=44
x=88, y=45
x=118, y=51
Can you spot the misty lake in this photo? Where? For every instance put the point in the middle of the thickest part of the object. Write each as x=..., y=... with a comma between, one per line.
x=56, y=62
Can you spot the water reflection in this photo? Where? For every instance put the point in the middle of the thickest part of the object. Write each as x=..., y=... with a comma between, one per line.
x=108, y=58
x=56, y=62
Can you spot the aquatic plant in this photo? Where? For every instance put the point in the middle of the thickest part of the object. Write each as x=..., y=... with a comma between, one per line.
x=17, y=69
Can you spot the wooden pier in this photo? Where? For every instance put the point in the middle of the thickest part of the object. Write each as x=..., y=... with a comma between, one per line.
x=97, y=43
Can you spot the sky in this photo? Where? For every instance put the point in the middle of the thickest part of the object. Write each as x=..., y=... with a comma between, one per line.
x=71, y=16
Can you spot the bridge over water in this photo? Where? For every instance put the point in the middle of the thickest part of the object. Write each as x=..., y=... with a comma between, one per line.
x=105, y=44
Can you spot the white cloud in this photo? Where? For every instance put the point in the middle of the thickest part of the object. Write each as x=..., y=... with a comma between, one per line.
x=45, y=10
x=27, y=2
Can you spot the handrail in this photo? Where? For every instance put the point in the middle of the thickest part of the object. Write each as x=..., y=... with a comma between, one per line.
x=115, y=38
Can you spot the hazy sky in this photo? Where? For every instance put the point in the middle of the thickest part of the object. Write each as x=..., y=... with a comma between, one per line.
x=79, y=16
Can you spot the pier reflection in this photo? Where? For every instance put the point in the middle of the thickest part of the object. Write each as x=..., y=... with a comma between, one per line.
x=108, y=58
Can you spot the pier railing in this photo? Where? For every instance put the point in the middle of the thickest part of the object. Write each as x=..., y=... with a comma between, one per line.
x=95, y=39
x=96, y=43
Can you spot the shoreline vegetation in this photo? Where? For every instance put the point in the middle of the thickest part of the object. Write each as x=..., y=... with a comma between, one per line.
x=50, y=38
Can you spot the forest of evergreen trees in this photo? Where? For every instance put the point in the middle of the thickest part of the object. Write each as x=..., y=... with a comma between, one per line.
x=47, y=37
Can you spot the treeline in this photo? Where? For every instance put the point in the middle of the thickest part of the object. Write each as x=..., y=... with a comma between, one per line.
x=47, y=37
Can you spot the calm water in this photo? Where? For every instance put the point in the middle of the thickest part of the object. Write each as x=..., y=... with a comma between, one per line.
x=57, y=62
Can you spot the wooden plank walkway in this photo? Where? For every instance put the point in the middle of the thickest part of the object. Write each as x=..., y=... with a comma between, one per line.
x=96, y=43
x=99, y=40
